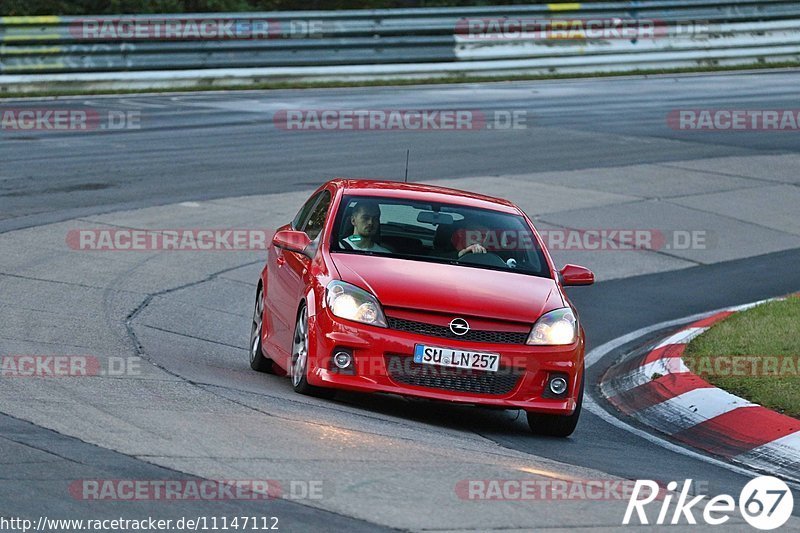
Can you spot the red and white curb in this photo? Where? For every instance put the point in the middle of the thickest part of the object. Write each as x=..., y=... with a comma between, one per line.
x=659, y=391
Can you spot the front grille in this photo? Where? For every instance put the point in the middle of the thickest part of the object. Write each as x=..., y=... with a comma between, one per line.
x=403, y=369
x=432, y=330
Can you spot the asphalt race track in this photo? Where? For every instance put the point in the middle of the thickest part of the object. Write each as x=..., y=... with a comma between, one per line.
x=588, y=154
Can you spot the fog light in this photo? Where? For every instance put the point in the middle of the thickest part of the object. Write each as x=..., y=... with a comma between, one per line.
x=558, y=385
x=342, y=360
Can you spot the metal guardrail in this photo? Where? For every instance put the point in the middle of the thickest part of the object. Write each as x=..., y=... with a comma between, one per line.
x=398, y=43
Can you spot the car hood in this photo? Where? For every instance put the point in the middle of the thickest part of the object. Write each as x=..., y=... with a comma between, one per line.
x=446, y=288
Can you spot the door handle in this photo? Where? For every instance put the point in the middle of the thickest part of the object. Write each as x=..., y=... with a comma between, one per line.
x=281, y=261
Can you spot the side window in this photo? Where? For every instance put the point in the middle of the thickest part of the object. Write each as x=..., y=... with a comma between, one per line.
x=316, y=219
x=302, y=215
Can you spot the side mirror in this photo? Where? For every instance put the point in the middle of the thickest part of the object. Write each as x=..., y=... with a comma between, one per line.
x=294, y=241
x=572, y=275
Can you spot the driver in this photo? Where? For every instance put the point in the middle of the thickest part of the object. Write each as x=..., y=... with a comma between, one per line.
x=366, y=220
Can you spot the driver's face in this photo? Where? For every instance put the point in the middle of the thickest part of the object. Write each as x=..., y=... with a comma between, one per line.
x=477, y=235
x=366, y=222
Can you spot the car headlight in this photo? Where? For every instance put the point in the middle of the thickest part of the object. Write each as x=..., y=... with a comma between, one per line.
x=351, y=303
x=558, y=327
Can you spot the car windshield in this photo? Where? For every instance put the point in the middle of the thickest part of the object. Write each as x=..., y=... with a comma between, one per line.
x=437, y=232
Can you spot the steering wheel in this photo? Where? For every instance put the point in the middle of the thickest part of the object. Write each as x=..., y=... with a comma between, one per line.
x=487, y=259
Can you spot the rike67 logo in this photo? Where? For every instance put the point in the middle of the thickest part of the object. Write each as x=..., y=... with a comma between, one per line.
x=765, y=503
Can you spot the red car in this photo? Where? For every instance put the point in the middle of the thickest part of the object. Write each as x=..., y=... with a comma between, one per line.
x=422, y=291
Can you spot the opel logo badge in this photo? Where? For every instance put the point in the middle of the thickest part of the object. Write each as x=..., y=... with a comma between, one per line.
x=459, y=326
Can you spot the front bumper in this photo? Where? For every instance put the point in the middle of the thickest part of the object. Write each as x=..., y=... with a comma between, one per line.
x=375, y=350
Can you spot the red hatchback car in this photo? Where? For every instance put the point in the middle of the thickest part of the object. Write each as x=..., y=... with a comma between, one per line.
x=421, y=291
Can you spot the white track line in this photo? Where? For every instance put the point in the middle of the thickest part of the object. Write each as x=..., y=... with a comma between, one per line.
x=594, y=408
x=681, y=337
x=644, y=374
x=690, y=409
x=598, y=353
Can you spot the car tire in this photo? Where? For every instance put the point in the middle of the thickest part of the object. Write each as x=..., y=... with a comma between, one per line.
x=258, y=361
x=556, y=425
x=298, y=370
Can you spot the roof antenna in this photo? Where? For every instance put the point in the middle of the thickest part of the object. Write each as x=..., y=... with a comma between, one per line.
x=408, y=151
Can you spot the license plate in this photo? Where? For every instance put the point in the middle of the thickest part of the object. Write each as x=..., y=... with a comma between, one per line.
x=434, y=355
